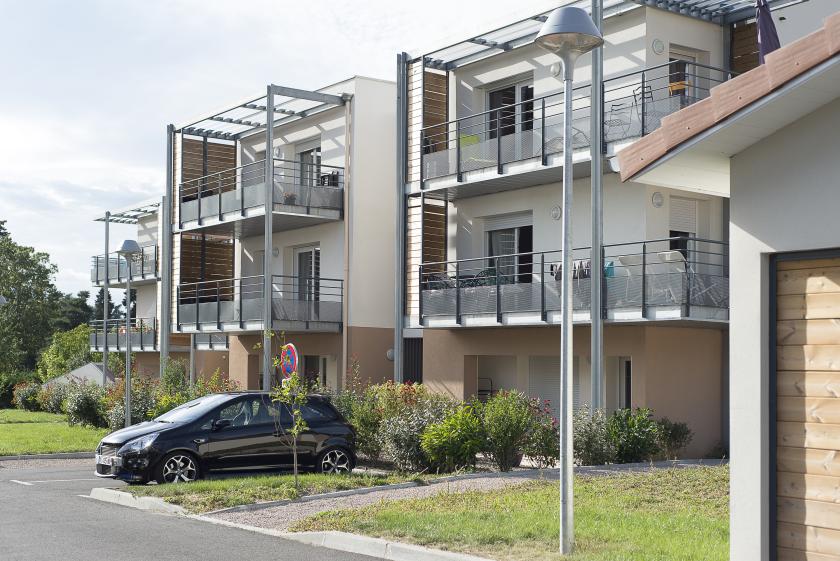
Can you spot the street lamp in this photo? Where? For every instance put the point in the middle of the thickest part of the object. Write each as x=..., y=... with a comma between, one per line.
x=129, y=249
x=567, y=32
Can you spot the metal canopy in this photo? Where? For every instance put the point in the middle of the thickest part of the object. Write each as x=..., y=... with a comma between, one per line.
x=249, y=115
x=517, y=34
x=717, y=11
x=132, y=214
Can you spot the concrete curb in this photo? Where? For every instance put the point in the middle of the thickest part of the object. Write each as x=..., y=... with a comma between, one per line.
x=151, y=504
x=59, y=456
x=353, y=543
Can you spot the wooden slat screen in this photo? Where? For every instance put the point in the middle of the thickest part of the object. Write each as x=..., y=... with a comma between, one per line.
x=744, y=47
x=808, y=409
x=425, y=243
x=427, y=106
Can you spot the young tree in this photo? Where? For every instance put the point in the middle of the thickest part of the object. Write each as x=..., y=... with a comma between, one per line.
x=292, y=395
x=72, y=311
x=133, y=304
x=26, y=281
x=114, y=311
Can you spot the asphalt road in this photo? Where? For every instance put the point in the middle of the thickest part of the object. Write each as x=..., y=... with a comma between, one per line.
x=44, y=514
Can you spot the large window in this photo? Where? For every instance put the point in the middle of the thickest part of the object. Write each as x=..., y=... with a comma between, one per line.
x=509, y=245
x=309, y=164
x=511, y=109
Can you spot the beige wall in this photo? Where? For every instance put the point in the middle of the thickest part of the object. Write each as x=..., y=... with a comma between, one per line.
x=367, y=347
x=678, y=380
x=206, y=363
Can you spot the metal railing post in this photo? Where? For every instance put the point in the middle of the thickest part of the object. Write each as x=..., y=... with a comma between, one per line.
x=643, y=101
x=420, y=295
x=543, y=155
x=141, y=334
x=422, y=154
x=178, y=307
x=458, y=150
x=198, y=188
x=218, y=307
x=603, y=286
x=220, y=198
x=142, y=263
x=543, y=313
x=687, y=281
x=180, y=205
x=196, y=307
x=499, y=142
x=457, y=293
x=241, y=189
x=644, y=280
x=603, y=111
x=498, y=292
x=241, y=320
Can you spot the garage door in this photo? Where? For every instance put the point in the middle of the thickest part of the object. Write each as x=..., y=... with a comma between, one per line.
x=807, y=458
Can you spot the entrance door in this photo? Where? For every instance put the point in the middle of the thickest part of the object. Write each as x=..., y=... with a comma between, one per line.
x=805, y=382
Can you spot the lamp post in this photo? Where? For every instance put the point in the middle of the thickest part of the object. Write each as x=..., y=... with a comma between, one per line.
x=129, y=249
x=567, y=32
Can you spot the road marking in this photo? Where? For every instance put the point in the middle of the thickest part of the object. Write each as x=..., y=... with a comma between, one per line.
x=66, y=480
x=20, y=482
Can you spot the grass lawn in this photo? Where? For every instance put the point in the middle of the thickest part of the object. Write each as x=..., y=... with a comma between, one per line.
x=26, y=432
x=666, y=515
x=213, y=494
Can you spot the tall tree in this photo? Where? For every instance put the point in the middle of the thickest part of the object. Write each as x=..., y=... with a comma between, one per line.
x=26, y=281
x=72, y=311
x=114, y=311
x=133, y=304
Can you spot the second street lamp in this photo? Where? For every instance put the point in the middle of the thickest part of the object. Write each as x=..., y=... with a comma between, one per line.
x=568, y=33
x=129, y=250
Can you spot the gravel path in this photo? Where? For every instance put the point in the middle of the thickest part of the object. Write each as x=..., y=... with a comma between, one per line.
x=281, y=517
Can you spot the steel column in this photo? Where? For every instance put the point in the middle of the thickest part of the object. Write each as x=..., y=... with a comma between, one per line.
x=399, y=233
x=165, y=262
x=127, y=344
x=268, y=239
x=192, y=359
x=106, y=299
x=597, y=221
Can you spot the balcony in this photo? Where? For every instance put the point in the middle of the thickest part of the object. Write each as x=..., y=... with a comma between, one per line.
x=142, y=335
x=304, y=194
x=517, y=145
x=298, y=304
x=143, y=269
x=653, y=280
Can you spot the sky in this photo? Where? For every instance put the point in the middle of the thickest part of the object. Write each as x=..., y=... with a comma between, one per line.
x=87, y=88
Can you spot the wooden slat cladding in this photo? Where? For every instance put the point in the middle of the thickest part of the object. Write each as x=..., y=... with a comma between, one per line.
x=808, y=409
x=205, y=157
x=744, y=47
x=426, y=103
x=206, y=258
x=425, y=243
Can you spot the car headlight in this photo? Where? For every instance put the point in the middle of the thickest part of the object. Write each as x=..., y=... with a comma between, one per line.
x=138, y=444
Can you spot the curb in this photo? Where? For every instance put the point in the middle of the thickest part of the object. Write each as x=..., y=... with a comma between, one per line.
x=58, y=456
x=150, y=504
x=353, y=543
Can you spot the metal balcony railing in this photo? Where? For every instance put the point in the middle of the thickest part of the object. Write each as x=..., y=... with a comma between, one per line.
x=230, y=194
x=141, y=335
x=686, y=273
x=145, y=266
x=634, y=105
x=232, y=304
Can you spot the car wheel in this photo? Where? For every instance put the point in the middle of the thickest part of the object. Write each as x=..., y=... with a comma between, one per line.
x=177, y=467
x=334, y=460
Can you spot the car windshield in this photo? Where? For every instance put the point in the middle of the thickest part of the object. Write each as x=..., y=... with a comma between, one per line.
x=192, y=410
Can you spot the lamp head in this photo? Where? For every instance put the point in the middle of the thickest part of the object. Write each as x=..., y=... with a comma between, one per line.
x=129, y=249
x=569, y=32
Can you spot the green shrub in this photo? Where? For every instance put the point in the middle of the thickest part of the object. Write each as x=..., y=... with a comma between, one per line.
x=143, y=401
x=366, y=417
x=174, y=379
x=51, y=398
x=401, y=433
x=85, y=404
x=593, y=445
x=26, y=396
x=673, y=437
x=543, y=442
x=68, y=350
x=507, y=421
x=635, y=435
x=8, y=381
x=453, y=442
x=163, y=402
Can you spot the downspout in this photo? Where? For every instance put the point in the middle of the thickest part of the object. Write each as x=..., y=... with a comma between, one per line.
x=399, y=237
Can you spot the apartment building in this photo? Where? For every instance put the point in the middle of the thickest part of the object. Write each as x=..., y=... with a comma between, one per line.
x=480, y=169
x=240, y=267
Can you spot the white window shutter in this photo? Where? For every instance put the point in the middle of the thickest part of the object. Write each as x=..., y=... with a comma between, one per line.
x=683, y=216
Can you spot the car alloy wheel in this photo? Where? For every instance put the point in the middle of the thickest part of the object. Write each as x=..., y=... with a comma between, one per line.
x=179, y=469
x=335, y=461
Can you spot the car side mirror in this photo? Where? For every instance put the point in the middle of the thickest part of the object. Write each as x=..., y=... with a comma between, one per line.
x=219, y=424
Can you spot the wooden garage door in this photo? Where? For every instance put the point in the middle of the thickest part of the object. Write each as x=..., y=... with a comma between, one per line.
x=808, y=409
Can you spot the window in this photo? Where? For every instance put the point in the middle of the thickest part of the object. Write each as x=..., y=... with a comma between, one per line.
x=625, y=384
x=316, y=412
x=681, y=74
x=315, y=369
x=242, y=412
x=510, y=244
x=308, y=273
x=511, y=109
x=309, y=165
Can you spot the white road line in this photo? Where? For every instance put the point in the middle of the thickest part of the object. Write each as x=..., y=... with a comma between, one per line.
x=20, y=482
x=66, y=480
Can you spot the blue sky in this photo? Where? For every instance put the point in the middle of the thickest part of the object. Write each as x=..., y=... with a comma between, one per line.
x=89, y=86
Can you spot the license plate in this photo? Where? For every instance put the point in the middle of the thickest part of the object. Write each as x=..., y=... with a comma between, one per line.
x=108, y=460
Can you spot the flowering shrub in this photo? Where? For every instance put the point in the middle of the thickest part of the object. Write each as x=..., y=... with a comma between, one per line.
x=507, y=418
x=593, y=445
x=143, y=401
x=26, y=396
x=85, y=404
x=542, y=444
x=452, y=443
x=401, y=433
x=51, y=398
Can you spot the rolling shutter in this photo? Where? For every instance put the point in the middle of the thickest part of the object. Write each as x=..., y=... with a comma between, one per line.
x=683, y=216
x=544, y=381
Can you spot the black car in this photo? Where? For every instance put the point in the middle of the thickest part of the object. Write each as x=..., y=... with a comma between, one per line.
x=236, y=430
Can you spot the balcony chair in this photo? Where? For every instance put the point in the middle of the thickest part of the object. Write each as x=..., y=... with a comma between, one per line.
x=652, y=117
x=618, y=121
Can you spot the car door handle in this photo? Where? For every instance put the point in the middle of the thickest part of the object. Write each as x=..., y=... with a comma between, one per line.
x=199, y=440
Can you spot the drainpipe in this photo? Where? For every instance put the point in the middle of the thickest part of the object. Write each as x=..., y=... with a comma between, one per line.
x=399, y=237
